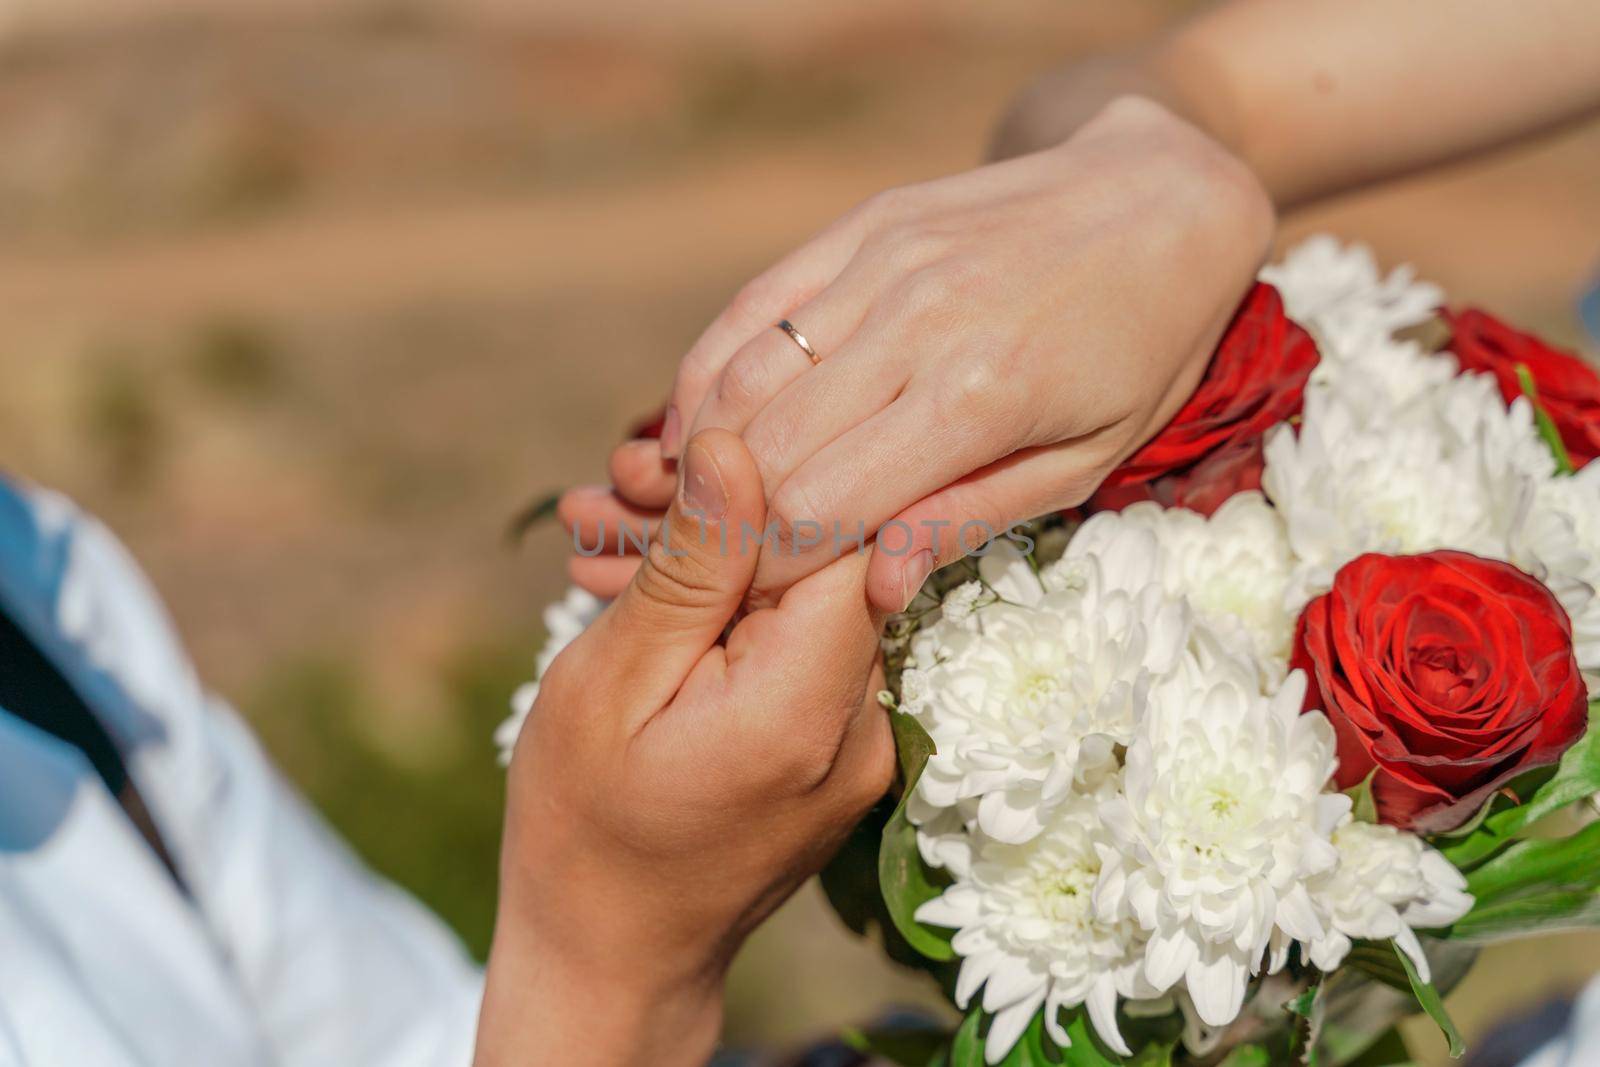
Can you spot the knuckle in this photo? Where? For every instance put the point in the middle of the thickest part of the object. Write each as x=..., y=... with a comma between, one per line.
x=794, y=509
x=754, y=301
x=694, y=374
x=942, y=288
x=768, y=440
x=975, y=388
x=677, y=578
x=743, y=380
x=1133, y=108
x=1241, y=199
x=888, y=205
x=903, y=247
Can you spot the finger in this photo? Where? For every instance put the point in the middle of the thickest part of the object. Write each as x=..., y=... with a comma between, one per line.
x=866, y=375
x=771, y=296
x=822, y=636
x=819, y=647
x=601, y=523
x=772, y=360
x=603, y=576
x=949, y=523
x=851, y=487
x=643, y=477
x=692, y=580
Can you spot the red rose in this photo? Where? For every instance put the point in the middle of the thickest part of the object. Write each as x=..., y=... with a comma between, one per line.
x=1448, y=673
x=1204, y=487
x=1569, y=389
x=1212, y=447
x=648, y=429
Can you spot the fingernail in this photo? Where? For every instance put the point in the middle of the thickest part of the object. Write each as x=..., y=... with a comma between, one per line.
x=703, y=492
x=671, y=430
x=918, y=567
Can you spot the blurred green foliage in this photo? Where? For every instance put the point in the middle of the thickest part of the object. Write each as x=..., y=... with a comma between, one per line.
x=122, y=419
x=434, y=828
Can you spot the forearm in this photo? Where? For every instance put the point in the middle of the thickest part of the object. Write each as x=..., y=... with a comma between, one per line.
x=1322, y=96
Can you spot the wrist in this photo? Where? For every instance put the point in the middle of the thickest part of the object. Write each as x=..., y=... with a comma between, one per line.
x=580, y=971
x=544, y=1002
x=1179, y=73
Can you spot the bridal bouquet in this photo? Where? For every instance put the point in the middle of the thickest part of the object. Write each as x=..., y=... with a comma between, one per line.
x=1240, y=762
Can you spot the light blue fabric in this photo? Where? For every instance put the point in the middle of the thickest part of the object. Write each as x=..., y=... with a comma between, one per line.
x=1579, y=1046
x=290, y=953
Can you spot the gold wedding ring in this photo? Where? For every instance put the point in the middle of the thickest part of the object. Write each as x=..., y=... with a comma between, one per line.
x=800, y=339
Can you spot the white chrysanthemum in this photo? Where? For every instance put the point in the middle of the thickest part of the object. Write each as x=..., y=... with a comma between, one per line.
x=1560, y=545
x=944, y=835
x=1233, y=569
x=1337, y=290
x=1453, y=476
x=1221, y=824
x=1029, y=936
x=1056, y=670
x=1379, y=378
x=1470, y=411
x=563, y=622
x=1387, y=884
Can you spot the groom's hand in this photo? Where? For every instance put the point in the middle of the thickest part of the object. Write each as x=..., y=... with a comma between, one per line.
x=669, y=791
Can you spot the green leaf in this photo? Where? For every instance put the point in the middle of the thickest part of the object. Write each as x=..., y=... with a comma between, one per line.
x=1034, y=1048
x=1303, y=1004
x=1539, y=866
x=1540, y=913
x=913, y=746
x=1537, y=886
x=1542, y=419
x=1247, y=1056
x=905, y=882
x=850, y=880
x=1430, y=1001
x=1306, y=1010
x=1375, y=959
x=1152, y=1056
x=1086, y=1049
x=536, y=511
x=967, y=1048
x=1362, y=807
x=1577, y=776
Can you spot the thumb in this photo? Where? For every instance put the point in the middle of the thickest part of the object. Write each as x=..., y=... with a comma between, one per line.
x=694, y=575
x=948, y=524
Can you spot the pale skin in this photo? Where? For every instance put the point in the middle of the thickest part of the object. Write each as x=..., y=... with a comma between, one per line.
x=957, y=289
x=993, y=343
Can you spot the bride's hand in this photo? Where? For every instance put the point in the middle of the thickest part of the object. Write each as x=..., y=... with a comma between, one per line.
x=991, y=345
x=669, y=791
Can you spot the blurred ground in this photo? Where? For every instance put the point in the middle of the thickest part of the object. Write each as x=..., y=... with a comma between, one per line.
x=308, y=298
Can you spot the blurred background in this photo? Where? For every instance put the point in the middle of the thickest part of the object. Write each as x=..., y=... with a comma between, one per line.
x=308, y=297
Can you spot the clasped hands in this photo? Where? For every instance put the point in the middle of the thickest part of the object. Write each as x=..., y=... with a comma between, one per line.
x=990, y=346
